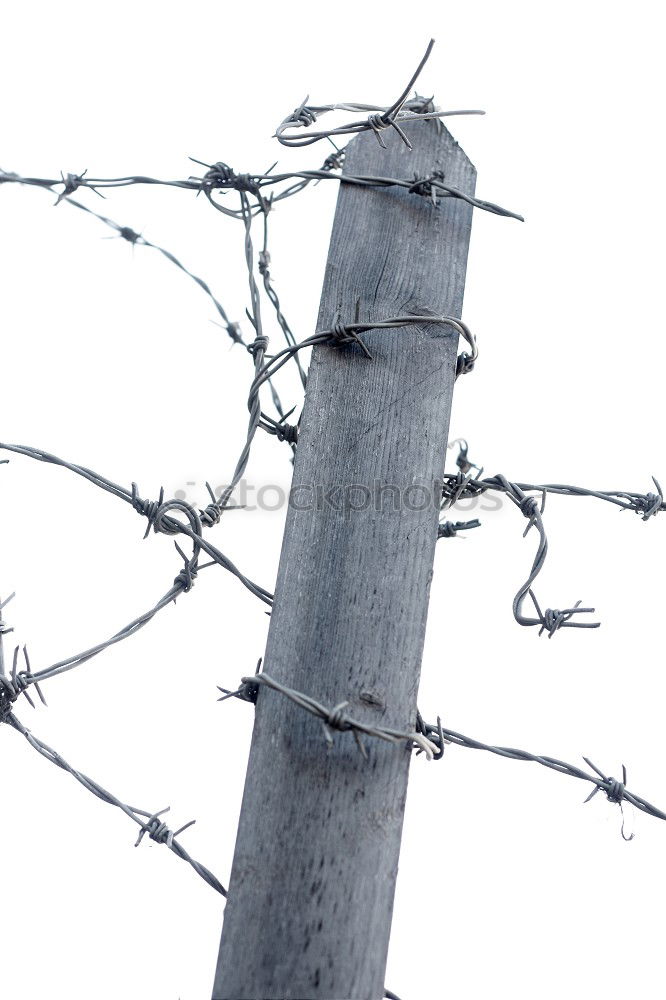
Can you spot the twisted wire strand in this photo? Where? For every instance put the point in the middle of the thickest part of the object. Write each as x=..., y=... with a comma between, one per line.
x=647, y=505
x=137, y=239
x=158, y=514
x=464, y=485
x=433, y=186
x=379, y=119
x=341, y=335
x=269, y=288
x=13, y=685
x=436, y=738
x=216, y=179
x=233, y=329
x=257, y=194
x=332, y=718
x=551, y=620
x=281, y=429
x=450, y=529
x=149, y=823
x=257, y=349
x=616, y=791
x=5, y=629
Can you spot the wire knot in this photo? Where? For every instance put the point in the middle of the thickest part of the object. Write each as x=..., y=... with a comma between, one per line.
x=147, y=508
x=287, y=432
x=221, y=175
x=553, y=620
x=186, y=577
x=210, y=515
x=155, y=512
x=218, y=175
x=264, y=262
x=421, y=105
x=247, y=183
x=615, y=790
x=157, y=830
x=128, y=234
x=248, y=691
x=334, y=160
x=650, y=504
x=339, y=333
x=464, y=364
x=8, y=696
x=71, y=183
x=234, y=331
x=529, y=507
x=449, y=529
x=434, y=740
x=257, y=345
x=342, y=335
x=423, y=185
x=378, y=122
x=14, y=685
x=338, y=719
x=303, y=115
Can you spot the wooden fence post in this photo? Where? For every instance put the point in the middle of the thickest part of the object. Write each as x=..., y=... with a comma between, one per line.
x=313, y=878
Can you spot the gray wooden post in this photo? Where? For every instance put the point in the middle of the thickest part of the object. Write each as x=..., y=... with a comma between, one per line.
x=311, y=892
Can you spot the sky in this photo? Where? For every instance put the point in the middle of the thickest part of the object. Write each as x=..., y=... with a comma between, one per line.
x=111, y=359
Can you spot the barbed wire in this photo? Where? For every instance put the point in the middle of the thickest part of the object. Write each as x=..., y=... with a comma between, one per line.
x=220, y=177
x=159, y=517
x=463, y=486
x=381, y=118
x=258, y=194
x=11, y=687
x=331, y=718
x=450, y=529
x=616, y=791
x=436, y=737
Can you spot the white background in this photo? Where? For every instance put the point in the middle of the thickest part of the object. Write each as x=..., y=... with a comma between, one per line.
x=508, y=885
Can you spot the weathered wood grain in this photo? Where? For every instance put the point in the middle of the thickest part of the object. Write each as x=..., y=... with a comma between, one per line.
x=311, y=893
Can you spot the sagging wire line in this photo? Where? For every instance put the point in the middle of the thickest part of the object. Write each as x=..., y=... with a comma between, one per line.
x=132, y=237
x=150, y=823
x=233, y=329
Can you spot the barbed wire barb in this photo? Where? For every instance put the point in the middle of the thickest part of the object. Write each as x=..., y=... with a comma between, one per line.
x=379, y=118
x=149, y=823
